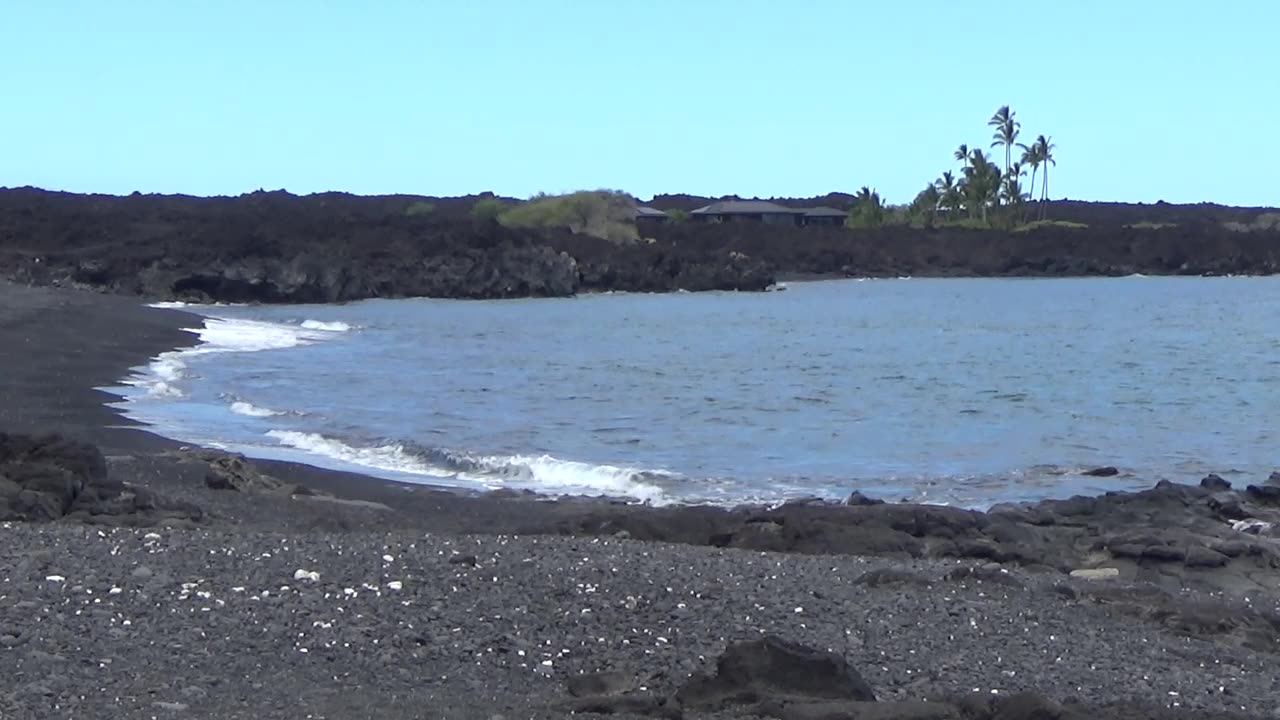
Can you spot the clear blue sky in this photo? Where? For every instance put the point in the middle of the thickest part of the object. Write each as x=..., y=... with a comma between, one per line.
x=1145, y=99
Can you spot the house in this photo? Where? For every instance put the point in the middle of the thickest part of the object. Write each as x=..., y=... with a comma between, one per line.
x=745, y=211
x=763, y=211
x=824, y=216
x=650, y=216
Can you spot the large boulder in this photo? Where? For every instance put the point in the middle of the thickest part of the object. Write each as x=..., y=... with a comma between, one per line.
x=42, y=476
x=49, y=477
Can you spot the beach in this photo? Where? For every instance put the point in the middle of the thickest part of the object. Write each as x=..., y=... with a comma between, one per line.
x=266, y=589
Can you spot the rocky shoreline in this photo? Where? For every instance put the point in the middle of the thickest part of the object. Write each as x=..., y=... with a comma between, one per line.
x=274, y=247
x=144, y=579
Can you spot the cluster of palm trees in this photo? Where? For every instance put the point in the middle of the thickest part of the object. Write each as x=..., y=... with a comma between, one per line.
x=983, y=185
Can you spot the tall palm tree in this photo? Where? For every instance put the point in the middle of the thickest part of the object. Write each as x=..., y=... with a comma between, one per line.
x=1006, y=132
x=949, y=193
x=962, y=154
x=1031, y=156
x=1044, y=148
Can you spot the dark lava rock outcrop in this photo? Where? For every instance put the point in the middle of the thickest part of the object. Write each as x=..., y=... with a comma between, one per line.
x=1179, y=534
x=276, y=247
x=46, y=478
x=333, y=247
x=776, y=678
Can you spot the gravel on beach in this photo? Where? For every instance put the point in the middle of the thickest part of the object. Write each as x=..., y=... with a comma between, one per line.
x=225, y=623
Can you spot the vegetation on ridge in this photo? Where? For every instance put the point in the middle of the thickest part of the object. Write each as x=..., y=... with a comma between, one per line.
x=983, y=194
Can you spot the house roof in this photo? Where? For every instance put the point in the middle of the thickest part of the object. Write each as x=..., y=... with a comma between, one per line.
x=642, y=211
x=824, y=212
x=743, y=207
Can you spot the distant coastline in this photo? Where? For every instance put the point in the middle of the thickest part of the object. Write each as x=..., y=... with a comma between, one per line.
x=275, y=247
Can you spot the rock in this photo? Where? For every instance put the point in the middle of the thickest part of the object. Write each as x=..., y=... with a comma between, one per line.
x=856, y=498
x=854, y=710
x=1226, y=505
x=309, y=575
x=890, y=576
x=142, y=572
x=171, y=706
x=1202, y=557
x=58, y=478
x=1264, y=494
x=1163, y=553
x=1105, y=471
x=1274, y=479
x=1105, y=573
x=232, y=471
x=1026, y=706
x=1215, y=483
x=774, y=668
x=464, y=560
x=601, y=684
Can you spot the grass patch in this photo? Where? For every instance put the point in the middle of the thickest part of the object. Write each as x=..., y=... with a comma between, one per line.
x=967, y=224
x=1148, y=225
x=1066, y=224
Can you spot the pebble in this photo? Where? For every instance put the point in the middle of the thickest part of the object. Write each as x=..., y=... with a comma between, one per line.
x=1096, y=573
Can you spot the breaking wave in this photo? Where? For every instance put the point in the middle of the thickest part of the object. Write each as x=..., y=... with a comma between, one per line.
x=162, y=377
x=541, y=473
x=240, y=407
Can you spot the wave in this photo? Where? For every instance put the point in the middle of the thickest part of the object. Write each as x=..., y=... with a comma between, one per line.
x=541, y=473
x=240, y=407
x=333, y=326
x=161, y=378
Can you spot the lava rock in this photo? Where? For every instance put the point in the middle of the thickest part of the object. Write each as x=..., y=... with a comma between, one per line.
x=1105, y=471
x=774, y=668
x=1215, y=482
x=856, y=498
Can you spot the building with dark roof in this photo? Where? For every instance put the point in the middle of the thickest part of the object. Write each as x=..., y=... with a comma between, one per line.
x=763, y=211
x=824, y=216
x=650, y=215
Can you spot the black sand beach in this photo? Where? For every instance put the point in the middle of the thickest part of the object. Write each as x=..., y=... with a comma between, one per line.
x=294, y=592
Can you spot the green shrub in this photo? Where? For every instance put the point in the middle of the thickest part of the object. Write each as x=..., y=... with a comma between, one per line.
x=607, y=214
x=487, y=210
x=420, y=208
x=678, y=216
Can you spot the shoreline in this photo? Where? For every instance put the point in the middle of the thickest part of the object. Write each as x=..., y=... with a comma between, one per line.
x=1155, y=581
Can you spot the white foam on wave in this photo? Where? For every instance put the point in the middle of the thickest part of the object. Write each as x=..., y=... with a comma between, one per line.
x=547, y=474
x=240, y=407
x=334, y=326
x=391, y=456
x=227, y=335
x=543, y=474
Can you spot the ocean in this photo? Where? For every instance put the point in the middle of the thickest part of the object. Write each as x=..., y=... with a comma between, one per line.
x=962, y=391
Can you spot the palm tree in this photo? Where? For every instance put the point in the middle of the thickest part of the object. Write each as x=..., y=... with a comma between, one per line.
x=1044, y=148
x=1006, y=132
x=1031, y=156
x=949, y=193
x=1011, y=189
x=868, y=209
x=925, y=206
x=962, y=154
x=981, y=184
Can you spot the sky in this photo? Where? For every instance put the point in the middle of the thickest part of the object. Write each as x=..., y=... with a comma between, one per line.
x=1146, y=100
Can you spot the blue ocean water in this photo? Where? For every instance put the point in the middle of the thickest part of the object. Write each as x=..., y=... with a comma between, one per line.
x=970, y=392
